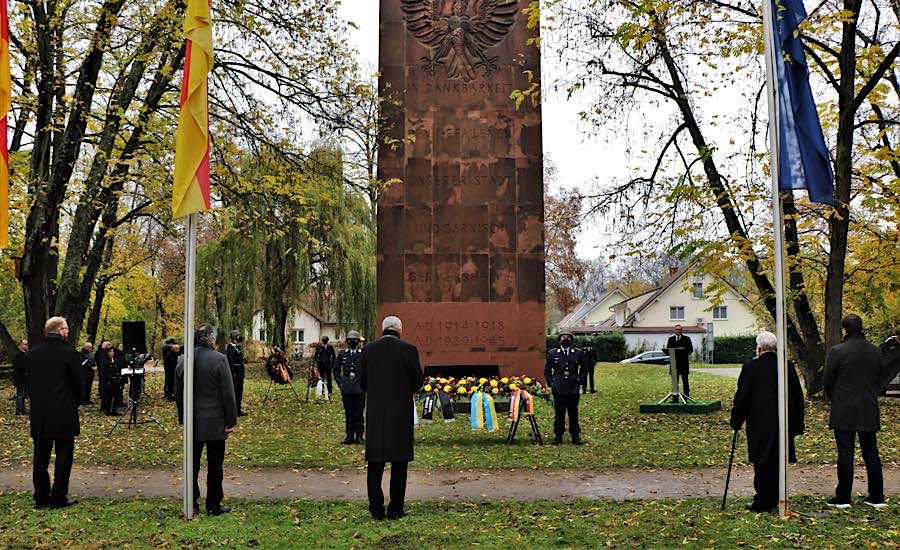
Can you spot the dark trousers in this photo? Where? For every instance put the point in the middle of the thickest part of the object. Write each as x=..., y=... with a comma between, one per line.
x=65, y=453
x=354, y=404
x=325, y=373
x=685, y=385
x=868, y=444
x=169, y=381
x=215, y=456
x=590, y=377
x=562, y=405
x=21, y=393
x=765, y=481
x=398, y=487
x=88, y=384
x=238, y=391
x=106, y=396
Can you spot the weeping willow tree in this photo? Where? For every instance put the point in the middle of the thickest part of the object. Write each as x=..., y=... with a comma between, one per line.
x=292, y=233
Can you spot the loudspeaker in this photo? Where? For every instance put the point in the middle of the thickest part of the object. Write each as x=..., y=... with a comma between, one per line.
x=134, y=336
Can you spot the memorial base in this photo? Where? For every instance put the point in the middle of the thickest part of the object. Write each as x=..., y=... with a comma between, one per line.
x=691, y=407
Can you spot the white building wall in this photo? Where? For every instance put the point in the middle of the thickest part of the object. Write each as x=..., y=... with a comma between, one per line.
x=300, y=319
x=740, y=319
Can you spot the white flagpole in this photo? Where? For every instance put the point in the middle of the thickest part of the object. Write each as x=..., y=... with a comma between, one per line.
x=188, y=403
x=778, y=246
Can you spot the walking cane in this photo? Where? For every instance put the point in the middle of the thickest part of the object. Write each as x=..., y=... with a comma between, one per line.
x=730, y=462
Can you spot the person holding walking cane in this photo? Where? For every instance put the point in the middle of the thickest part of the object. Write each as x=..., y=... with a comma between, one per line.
x=756, y=404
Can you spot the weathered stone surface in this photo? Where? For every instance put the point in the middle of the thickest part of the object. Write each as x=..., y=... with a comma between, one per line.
x=461, y=236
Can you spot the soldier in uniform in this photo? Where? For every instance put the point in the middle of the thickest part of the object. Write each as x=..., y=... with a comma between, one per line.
x=235, y=354
x=324, y=358
x=565, y=372
x=87, y=370
x=590, y=361
x=347, y=376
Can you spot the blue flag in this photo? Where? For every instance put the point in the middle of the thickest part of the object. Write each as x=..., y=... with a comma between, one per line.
x=803, y=156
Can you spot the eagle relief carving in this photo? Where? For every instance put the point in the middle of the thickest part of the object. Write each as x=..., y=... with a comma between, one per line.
x=459, y=33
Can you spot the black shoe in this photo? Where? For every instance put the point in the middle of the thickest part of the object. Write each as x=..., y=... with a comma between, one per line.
x=242, y=413
x=360, y=439
x=875, y=502
x=593, y=391
x=557, y=440
x=348, y=440
x=838, y=503
x=752, y=507
x=377, y=514
x=219, y=511
x=577, y=441
x=40, y=505
x=64, y=503
x=396, y=515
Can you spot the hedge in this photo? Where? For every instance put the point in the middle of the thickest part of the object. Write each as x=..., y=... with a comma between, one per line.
x=734, y=349
x=610, y=346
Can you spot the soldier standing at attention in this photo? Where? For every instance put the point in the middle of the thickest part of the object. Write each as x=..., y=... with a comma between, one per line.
x=347, y=376
x=565, y=374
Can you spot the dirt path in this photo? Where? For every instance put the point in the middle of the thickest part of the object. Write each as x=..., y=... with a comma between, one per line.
x=467, y=485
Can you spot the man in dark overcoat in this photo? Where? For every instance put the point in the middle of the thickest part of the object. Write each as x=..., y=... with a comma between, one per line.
x=87, y=371
x=20, y=376
x=565, y=373
x=170, y=361
x=683, y=349
x=347, y=376
x=852, y=372
x=55, y=382
x=235, y=354
x=324, y=358
x=215, y=414
x=391, y=375
x=756, y=403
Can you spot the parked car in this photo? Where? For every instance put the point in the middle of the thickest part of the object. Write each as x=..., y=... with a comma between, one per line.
x=649, y=357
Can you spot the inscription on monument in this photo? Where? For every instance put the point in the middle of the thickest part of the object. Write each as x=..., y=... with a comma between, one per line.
x=461, y=236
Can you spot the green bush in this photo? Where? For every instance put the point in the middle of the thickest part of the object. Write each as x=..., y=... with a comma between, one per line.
x=610, y=346
x=734, y=349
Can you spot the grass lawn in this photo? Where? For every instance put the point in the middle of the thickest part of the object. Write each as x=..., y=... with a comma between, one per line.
x=99, y=523
x=306, y=435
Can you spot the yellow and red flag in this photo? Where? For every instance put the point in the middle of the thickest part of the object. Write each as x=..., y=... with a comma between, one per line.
x=190, y=191
x=5, y=97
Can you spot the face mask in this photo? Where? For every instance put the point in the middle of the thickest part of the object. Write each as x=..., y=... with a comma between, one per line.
x=565, y=342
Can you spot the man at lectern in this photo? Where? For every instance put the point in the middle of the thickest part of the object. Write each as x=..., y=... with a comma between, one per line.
x=683, y=349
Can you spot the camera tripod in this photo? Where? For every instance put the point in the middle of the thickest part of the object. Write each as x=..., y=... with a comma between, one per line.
x=135, y=398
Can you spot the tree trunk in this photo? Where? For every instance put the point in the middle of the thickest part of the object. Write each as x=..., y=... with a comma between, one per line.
x=99, y=294
x=839, y=221
x=802, y=352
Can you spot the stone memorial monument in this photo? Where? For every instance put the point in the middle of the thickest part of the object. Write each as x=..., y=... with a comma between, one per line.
x=461, y=227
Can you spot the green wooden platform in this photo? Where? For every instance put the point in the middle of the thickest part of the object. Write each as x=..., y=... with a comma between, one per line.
x=692, y=407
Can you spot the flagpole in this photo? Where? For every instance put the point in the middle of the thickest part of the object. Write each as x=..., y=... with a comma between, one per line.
x=778, y=246
x=188, y=404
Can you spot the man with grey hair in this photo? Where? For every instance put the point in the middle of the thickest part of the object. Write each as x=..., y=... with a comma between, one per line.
x=755, y=403
x=215, y=413
x=55, y=387
x=390, y=375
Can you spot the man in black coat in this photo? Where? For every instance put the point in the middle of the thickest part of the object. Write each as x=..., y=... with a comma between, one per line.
x=54, y=373
x=20, y=376
x=347, y=376
x=324, y=359
x=235, y=354
x=852, y=372
x=391, y=375
x=215, y=414
x=87, y=371
x=683, y=349
x=565, y=372
x=170, y=361
x=755, y=402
